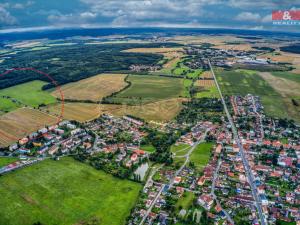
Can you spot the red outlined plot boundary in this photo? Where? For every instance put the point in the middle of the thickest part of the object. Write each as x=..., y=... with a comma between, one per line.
x=57, y=87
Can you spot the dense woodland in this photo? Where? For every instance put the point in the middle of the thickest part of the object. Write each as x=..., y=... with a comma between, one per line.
x=72, y=63
x=295, y=48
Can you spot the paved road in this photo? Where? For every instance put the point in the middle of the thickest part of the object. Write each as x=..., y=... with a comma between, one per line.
x=216, y=174
x=242, y=152
x=171, y=183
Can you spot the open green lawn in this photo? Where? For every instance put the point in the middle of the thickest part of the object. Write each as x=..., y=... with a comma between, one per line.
x=211, y=92
x=201, y=154
x=194, y=73
x=187, y=83
x=180, y=150
x=245, y=82
x=65, y=192
x=4, y=161
x=146, y=89
x=148, y=148
x=29, y=93
x=6, y=105
x=185, y=201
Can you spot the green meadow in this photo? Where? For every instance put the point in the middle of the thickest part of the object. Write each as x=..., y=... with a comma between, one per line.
x=144, y=89
x=65, y=192
x=30, y=94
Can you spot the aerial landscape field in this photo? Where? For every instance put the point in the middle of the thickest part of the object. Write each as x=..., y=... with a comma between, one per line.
x=149, y=112
x=65, y=192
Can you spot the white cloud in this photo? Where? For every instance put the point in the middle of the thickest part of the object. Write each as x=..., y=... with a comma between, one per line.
x=267, y=19
x=88, y=15
x=6, y=18
x=259, y=4
x=248, y=16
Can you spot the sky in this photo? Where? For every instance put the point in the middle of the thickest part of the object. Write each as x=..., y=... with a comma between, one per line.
x=51, y=14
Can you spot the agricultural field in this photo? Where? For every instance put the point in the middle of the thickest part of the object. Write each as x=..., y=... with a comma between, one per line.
x=21, y=122
x=285, y=57
x=160, y=111
x=205, y=83
x=81, y=112
x=243, y=82
x=27, y=94
x=206, y=89
x=145, y=89
x=201, y=154
x=172, y=56
x=162, y=50
x=289, y=91
x=93, y=88
x=207, y=75
x=208, y=92
x=65, y=192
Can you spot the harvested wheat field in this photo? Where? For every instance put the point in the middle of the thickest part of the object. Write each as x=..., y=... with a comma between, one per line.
x=21, y=122
x=215, y=40
x=159, y=111
x=204, y=83
x=93, y=88
x=207, y=75
x=240, y=47
x=285, y=57
x=81, y=112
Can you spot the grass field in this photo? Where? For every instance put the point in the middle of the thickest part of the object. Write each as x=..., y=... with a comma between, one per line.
x=185, y=201
x=81, y=112
x=93, y=88
x=21, y=122
x=208, y=92
x=148, y=148
x=65, y=192
x=158, y=111
x=249, y=82
x=288, y=76
x=29, y=93
x=288, y=89
x=4, y=161
x=180, y=150
x=201, y=154
x=145, y=89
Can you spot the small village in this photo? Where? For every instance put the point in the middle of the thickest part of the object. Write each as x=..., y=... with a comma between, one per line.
x=216, y=193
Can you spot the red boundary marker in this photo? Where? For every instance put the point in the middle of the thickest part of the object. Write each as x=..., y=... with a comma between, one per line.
x=57, y=87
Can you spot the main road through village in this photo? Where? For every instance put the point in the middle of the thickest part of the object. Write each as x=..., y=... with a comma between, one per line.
x=237, y=139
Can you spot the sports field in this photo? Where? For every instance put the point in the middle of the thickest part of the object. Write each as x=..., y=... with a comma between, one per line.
x=21, y=122
x=93, y=88
x=145, y=89
x=29, y=94
x=65, y=192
